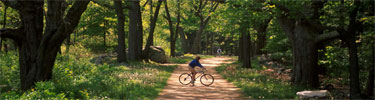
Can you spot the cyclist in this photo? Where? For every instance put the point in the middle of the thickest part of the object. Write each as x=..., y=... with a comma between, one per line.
x=192, y=64
x=219, y=51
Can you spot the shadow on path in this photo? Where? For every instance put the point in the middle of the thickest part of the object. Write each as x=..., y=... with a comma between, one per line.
x=220, y=89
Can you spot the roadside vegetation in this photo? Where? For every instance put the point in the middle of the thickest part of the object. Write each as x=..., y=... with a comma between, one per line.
x=75, y=77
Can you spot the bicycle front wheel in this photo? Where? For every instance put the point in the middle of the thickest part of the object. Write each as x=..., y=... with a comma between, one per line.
x=207, y=79
x=185, y=78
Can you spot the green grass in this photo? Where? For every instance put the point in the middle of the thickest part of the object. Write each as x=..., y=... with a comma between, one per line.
x=75, y=77
x=255, y=85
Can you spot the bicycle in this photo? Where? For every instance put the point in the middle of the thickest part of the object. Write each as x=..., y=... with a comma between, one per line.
x=205, y=79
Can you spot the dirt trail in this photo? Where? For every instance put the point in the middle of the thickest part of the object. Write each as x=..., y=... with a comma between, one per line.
x=220, y=89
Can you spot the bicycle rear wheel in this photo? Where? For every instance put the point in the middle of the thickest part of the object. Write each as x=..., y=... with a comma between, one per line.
x=185, y=78
x=207, y=79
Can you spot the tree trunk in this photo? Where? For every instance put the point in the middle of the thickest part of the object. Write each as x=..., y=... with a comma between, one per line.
x=304, y=51
x=175, y=35
x=355, y=89
x=171, y=30
x=121, y=54
x=196, y=46
x=135, y=32
x=305, y=62
x=261, y=36
x=349, y=37
x=246, y=63
x=38, y=49
x=240, y=47
x=184, y=41
x=150, y=39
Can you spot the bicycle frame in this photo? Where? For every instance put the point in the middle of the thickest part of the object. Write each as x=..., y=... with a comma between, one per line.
x=197, y=76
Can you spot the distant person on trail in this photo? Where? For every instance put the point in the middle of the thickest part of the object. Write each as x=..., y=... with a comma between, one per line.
x=219, y=51
x=192, y=64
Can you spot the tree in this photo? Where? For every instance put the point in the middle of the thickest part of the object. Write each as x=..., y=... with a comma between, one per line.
x=150, y=38
x=261, y=35
x=304, y=33
x=38, y=49
x=135, y=31
x=121, y=54
x=199, y=9
x=349, y=37
x=173, y=33
x=245, y=45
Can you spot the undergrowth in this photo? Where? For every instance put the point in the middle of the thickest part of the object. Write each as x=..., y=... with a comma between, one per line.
x=256, y=85
x=75, y=77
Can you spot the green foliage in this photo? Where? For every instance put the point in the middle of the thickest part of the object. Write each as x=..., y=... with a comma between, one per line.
x=256, y=85
x=75, y=77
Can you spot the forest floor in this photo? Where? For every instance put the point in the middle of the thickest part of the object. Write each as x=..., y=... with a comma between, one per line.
x=220, y=89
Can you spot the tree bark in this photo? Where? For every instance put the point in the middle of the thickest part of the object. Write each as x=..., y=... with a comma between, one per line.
x=305, y=34
x=246, y=63
x=349, y=37
x=135, y=31
x=121, y=54
x=150, y=39
x=304, y=52
x=240, y=47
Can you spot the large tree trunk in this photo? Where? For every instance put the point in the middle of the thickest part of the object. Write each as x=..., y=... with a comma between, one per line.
x=305, y=62
x=304, y=51
x=195, y=49
x=135, y=31
x=121, y=54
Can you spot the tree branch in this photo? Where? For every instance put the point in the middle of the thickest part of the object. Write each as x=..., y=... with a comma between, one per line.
x=327, y=36
x=14, y=34
x=144, y=5
x=71, y=20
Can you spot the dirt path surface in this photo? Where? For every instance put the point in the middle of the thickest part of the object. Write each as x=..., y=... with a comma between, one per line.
x=220, y=89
